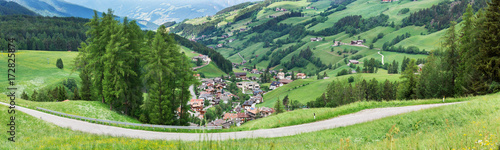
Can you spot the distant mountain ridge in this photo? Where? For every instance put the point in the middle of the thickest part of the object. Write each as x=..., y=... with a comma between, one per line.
x=12, y=8
x=160, y=12
x=62, y=8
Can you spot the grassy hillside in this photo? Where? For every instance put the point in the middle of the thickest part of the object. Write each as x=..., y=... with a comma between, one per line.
x=305, y=90
x=211, y=71
x=470, y=125
x=91, y=109
x=37, y=69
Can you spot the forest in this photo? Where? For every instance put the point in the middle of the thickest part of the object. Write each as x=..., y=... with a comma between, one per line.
x=468, y=67
x=43, y=33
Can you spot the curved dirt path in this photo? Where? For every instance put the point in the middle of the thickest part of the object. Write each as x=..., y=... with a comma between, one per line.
x=382, y=57
x=340, y=121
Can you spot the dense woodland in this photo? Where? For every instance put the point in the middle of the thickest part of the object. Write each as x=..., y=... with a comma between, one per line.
x=439, y=16
x=42, y=33
x=468, y=67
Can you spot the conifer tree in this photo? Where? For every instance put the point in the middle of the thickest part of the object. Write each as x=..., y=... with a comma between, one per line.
x=33, y=96
x=489, y=41
x=158, y=64
x=76, y=95
x=24, y=96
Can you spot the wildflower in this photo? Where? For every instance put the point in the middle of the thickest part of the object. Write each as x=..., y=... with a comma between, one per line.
x=465, y=134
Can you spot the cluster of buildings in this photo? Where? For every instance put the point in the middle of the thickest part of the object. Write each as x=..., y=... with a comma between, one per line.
x=214, y=92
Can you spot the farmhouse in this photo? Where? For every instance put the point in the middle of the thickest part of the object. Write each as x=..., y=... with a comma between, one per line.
x=196, y=104
x=301, y=76
x=316, y=39
x=248, y=85
x=281, y=75
x=275, y=84
x=240, y=75
x=285, y=81
x=353, y=61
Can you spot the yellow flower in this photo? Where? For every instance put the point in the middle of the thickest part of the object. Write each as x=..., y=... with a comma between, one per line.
x=465, y=134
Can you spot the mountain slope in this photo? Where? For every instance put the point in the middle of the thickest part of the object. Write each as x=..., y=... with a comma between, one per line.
x=62, y=8
x=159, y=12
x=12, y=8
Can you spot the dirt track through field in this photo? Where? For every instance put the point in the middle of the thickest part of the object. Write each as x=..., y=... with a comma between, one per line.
x=340, y=121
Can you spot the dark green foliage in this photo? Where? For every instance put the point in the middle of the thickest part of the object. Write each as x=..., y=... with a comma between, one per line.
x=278, y=107
x=250, y=12
x=24, y=96
x=76, y=95
x=59, y=63
x=168, y=24
x=285, y=102
x=392, y=68
x=353, y=25
x=350, y=79
x=70, y=84
x=489, y=37
x=439, y=16
x=404, y=11
x=43, y=33
x=33, y=96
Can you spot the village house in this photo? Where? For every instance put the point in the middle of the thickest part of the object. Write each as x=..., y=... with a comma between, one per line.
x=197, y=76
x=218, y=80
x=247, y=104
x=245, y=69
x=242, y=117
x=202, y=57
x=358, y=42
x=206, y=97
x=420, y=66
x=281, y=75
x=240, y=75
x=316, y=39
x=196, y=104
x=258, y=91
x=252, y=113
x=275, y=84
x=272, y=16
x=248, y=85
x=310, y=7
x=217, y=122
x=230, y=116
x=353, y=61
x=257, y=99
x=255, y=71
x=280, y=9
x=266, y=111
x=219, y=45
x=300, y=76
x=231, y=40
x=285, y=81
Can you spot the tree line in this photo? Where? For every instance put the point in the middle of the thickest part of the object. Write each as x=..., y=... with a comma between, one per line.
x=43, y=33
x=118, y=64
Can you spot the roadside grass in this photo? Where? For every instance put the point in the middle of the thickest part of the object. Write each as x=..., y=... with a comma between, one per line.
x=470, y=125
x=91, y=109
x=211, y=71
x=37, y=69
x=302, y=116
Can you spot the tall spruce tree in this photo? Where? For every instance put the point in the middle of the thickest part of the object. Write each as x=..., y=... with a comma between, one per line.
x=489, y=41
x=158, y=64
x=450, y=46
x=115, y=66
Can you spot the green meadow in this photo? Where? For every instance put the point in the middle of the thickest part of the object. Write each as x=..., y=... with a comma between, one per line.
x=474, y=124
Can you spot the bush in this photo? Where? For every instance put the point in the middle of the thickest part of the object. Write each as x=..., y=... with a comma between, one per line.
x=59, y=63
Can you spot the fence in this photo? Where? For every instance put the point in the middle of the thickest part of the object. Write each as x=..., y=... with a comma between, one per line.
x=125, y=123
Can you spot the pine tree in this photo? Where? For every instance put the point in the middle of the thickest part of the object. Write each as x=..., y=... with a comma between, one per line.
x=24, y=96
x=285, y=101
x=133, y=95
x=59, y=63
x=468, y=76
x=157, y=70
x=406, y=90
x=61, y=94
x=278, y=107
x=489, y=37
x=76, y=95
x=450, y=46
x=116, y=66
x=33, y=96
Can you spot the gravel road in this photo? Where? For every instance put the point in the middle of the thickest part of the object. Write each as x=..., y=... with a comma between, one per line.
x=345, y=120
